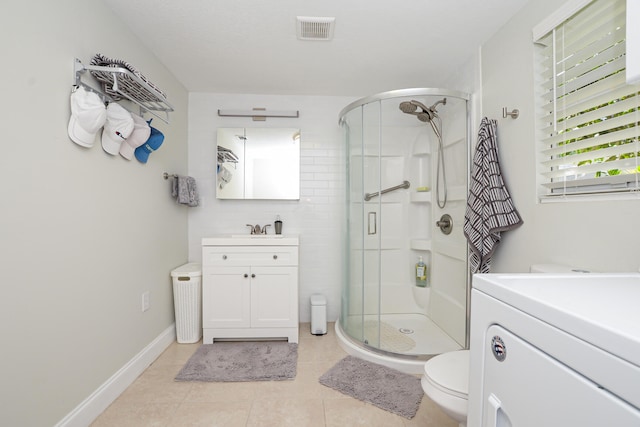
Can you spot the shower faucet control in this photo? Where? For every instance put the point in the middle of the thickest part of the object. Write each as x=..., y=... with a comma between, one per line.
x=445, y=224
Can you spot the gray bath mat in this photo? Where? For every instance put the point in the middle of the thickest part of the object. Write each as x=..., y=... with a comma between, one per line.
x=242, y=361
x=386, y=388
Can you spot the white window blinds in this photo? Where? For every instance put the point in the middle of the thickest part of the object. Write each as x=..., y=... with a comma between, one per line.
x=587, y=114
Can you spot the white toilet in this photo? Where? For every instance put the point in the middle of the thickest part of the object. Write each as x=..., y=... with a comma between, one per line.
x=446, y=376
x=446, y=382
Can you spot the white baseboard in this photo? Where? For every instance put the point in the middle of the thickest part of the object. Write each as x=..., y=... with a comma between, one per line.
x=87, y=411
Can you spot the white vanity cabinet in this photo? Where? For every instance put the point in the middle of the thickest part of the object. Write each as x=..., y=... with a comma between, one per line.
x=250, y=288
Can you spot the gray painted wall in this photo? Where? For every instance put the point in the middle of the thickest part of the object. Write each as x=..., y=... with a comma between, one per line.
x=602, y=234
x=82, y=233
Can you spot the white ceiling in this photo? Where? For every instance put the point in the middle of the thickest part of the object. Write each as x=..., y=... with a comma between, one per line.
x=250, y=46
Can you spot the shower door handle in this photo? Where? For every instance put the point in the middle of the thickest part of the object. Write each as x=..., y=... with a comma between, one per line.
x=371, y=225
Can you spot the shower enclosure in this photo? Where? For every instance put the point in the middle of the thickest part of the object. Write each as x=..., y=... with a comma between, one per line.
x=408, y=162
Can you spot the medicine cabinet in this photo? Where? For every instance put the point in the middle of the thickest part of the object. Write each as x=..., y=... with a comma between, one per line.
x=258, y=163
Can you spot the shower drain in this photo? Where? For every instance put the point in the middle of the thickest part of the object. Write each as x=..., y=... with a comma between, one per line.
x=406, y=330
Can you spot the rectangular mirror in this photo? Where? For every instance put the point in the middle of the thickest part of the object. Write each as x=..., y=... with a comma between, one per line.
x=258, y=163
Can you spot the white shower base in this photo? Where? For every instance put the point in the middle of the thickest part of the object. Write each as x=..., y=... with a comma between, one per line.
x=405, y=352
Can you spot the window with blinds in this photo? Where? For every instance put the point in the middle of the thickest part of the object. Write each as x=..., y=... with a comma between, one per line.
x=587, y=114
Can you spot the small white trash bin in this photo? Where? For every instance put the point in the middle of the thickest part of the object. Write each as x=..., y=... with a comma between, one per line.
x=187, y=302
x=318, y=314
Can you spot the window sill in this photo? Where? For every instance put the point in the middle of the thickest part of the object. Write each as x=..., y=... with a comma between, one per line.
x=602, y=197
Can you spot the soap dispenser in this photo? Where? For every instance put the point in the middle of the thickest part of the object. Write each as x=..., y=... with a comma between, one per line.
x=278, y=225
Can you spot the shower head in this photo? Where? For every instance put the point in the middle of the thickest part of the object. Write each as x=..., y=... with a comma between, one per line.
x=426, y=114
x=408, y=107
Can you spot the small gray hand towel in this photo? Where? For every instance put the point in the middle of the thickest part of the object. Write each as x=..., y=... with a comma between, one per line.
x=185, y=191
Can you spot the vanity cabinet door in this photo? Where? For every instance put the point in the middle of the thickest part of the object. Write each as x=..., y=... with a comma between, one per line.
x=274, y=297
x=249, y=291
x=226, y=297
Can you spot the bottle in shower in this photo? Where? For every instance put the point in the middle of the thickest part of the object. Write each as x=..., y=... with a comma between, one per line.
x=421, y=273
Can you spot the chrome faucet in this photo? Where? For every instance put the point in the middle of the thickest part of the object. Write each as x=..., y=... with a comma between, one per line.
x=256, y=229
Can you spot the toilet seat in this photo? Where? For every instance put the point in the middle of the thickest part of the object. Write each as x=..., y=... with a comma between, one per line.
x=449, y=373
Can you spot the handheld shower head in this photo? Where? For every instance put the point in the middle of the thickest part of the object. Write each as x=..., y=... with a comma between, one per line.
x=425, y=116
x=430, y=115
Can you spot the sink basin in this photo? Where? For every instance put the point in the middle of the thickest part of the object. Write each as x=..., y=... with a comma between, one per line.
x=257, y=236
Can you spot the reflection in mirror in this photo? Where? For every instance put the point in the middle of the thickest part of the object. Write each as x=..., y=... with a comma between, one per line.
x=258, y=163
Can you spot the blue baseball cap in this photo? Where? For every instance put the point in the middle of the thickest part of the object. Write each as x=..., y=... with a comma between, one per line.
x=153, y=143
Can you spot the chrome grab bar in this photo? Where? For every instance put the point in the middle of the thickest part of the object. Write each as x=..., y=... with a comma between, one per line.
x=369, y=196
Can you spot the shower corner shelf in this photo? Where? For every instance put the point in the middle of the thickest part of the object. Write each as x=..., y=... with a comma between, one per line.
x=129, y=86
x=421, y=153
x=420, y=244
x=420, y=197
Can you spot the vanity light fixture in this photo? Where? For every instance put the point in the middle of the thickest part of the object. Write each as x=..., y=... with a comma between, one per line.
x=259, y=114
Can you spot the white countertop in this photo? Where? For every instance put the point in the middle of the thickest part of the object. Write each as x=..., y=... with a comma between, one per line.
x=251, y=240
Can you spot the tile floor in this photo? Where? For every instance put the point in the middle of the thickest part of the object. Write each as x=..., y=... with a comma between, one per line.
x=154, y=399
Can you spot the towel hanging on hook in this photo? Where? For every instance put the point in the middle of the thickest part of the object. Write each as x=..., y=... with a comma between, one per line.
x=183, y=189
x=490, y=209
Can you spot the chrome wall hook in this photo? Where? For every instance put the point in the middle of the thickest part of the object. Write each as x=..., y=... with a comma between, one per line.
x=513, y=113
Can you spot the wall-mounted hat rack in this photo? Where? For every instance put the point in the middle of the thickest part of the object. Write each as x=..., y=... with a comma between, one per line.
x=226, y=155
x=129, y=86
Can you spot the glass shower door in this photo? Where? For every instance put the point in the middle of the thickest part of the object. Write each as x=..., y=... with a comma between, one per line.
x=394, y=153
x=361, y=297
x=352, y=318
x=372, y=220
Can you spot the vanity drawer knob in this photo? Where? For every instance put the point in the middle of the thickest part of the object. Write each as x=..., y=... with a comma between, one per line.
x=246, y=275
x=224, y=257
x=275, y=257
x=253, y=276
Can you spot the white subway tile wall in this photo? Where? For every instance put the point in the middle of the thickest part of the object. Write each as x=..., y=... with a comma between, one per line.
x=318, y=217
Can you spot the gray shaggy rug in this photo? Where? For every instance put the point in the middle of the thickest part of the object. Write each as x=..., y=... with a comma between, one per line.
x=386, y=388
x=242, y=361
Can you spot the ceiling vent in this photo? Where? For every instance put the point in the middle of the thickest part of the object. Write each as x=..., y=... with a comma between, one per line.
x=315, y=28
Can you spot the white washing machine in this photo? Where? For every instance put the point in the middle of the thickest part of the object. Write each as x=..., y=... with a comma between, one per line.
x=552, y=350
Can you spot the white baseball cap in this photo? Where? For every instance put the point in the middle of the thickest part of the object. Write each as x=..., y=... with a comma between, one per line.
x=140, y=134
x=88, y=115
x=117, y=128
